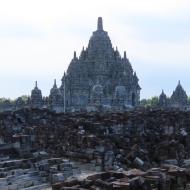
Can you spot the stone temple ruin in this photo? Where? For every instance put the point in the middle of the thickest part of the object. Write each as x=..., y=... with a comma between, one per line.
x=178, y=98
x=144, y=148
x=98, y=77
x=140, y=149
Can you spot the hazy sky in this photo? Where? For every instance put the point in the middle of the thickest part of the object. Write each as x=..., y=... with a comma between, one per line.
x=38, y=37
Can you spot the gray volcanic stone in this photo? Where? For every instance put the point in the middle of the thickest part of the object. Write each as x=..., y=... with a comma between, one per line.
x=178, y=98
x=100, y=76
x=36, y=97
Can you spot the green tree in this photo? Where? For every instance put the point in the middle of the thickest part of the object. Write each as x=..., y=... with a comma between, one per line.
x=151, y=102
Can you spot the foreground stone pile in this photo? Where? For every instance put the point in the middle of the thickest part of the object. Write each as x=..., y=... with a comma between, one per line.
x=117, y=142
x=166, y=178
x=140, y=138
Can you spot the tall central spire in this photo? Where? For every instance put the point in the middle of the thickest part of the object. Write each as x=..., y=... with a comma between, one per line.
x=100, y=24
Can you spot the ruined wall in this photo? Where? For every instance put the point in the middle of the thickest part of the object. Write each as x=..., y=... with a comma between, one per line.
x=142, y=137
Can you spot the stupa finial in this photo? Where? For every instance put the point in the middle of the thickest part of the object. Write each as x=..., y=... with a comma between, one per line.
x=125, y=56
x=100, y=24
x=55, y=84
x=75, y=55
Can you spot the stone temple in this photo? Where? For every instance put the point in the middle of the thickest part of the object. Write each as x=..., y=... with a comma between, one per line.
x=98, y=79
x=100, y=76
x=178, y=99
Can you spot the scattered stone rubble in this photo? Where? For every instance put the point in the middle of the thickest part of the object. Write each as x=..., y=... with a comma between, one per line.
x=34, y=174
x=119, y=142
x=166, y=178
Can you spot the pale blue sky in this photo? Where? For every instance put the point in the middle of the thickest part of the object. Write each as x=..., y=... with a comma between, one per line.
x=38, y=37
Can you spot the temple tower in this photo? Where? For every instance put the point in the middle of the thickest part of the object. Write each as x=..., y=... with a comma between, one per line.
x=56, y=99
x=36, y=97
x=163, y=101
x=179, y=97
x=117, y=82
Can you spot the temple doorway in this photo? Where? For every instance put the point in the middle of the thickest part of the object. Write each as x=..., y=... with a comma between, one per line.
x=133, y=99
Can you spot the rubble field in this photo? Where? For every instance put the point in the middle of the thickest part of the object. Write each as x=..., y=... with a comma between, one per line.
x=139, y=149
